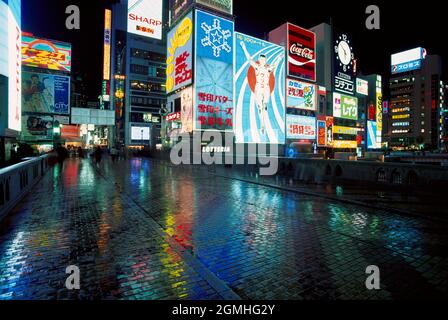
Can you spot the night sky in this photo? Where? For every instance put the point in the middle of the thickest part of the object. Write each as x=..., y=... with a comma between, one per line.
x=404, y=25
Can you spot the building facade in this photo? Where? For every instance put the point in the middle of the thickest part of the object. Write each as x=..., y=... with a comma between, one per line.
x=138, y=70
x=10, y=78
x=416, y=101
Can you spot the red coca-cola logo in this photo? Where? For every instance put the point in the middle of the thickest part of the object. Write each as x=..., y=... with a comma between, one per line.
x=298, y=50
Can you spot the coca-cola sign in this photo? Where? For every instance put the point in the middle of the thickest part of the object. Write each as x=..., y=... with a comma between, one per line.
x=297, y=49
x=302, y=54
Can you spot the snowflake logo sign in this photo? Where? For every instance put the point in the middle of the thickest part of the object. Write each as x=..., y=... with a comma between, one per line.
x=216, y=38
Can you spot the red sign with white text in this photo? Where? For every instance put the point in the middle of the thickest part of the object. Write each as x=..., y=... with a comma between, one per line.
x=301, y=53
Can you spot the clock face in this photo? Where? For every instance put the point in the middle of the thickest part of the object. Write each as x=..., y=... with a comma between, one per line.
x=344, y=52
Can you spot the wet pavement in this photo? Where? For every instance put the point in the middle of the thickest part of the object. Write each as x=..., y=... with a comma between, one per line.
x=142, y=229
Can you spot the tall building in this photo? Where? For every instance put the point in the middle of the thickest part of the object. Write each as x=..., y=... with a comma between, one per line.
x=10, y=77
x=138, y=70
x=336, y=72
x=416, y=93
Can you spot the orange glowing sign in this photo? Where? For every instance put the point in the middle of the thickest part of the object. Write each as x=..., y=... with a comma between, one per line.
x=46, y=54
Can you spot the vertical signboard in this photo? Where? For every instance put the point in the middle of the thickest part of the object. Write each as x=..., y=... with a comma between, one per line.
x=343, y=64
x=213, y=92
x=379, y=117
x=145, y=18
x=180, y=55
x=259, y=91
x=15, y=65
x=371, y=135
x=301, y=95
x=301, y=53
x=321, y=133
x=107, y=38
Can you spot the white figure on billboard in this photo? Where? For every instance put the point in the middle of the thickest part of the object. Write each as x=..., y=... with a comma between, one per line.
x=263, y=72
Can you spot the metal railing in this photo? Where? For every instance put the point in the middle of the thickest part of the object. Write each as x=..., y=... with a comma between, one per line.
x=16, y=181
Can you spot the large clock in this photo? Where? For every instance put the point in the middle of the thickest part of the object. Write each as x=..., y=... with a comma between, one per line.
x=344, y=52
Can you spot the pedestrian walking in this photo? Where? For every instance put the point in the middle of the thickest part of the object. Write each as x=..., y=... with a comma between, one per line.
x=62, y=155
x=98, y=154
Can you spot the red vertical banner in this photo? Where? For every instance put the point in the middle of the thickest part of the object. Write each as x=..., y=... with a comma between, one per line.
x=301, y=53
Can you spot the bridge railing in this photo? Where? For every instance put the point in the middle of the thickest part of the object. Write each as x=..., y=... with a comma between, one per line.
x=17, y=180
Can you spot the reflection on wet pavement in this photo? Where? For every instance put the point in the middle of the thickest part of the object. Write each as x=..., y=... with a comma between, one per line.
x=142, y=229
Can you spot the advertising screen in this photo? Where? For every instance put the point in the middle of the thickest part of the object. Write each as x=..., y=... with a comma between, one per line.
x=345, y=107
x=180, y=55
x=107, y=47
x=301, y=95
x=37, y=128
x=46, y=54
x=301, y=53
x=362, y=87
x=259, y=91
x=45, y=93
x=379, y=116
x=321, y=133
x=300, y=127
x=213, y=93
x=407, y=60
x=325, y=131
x=344, y=64
x=145, y=18
x=3, y=39
x=225, y=6
x=140, y=133
x=178, y=8
x=187, y=110
x=371, y=135
x=14, y=65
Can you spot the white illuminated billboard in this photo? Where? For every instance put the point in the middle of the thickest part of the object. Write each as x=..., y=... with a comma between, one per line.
x=140, y=133
x=3, y=39
x=145, y=18
x=362, y=87
x=408, y=56
x=15, y=66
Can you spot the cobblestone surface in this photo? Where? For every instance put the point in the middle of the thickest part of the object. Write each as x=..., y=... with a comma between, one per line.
x=141, y=229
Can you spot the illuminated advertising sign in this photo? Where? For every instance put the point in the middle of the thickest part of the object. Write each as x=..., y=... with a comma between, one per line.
x=343, y=64
x=371, y=135
x=301, y=95
x=92, y=116
x=300, y=127
x=173, y=116
x=4, y=39
x=45, y=93
x=225, y=6
x=345, y=107
x=213, y=93
x=180, y=50
x=259, y=91
x=145, y=18
x=301, y=53
x=140, y=133
x=325, y=134
x=321, y=133
x=344, y=144
x=37, y=128
x=14, y=65
x=362, y=87
x=107, y=39
x=379, y=116
x=345, y=130
x=187, y=110
x=408, y=60
x=46, y=54
x=178, y=8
